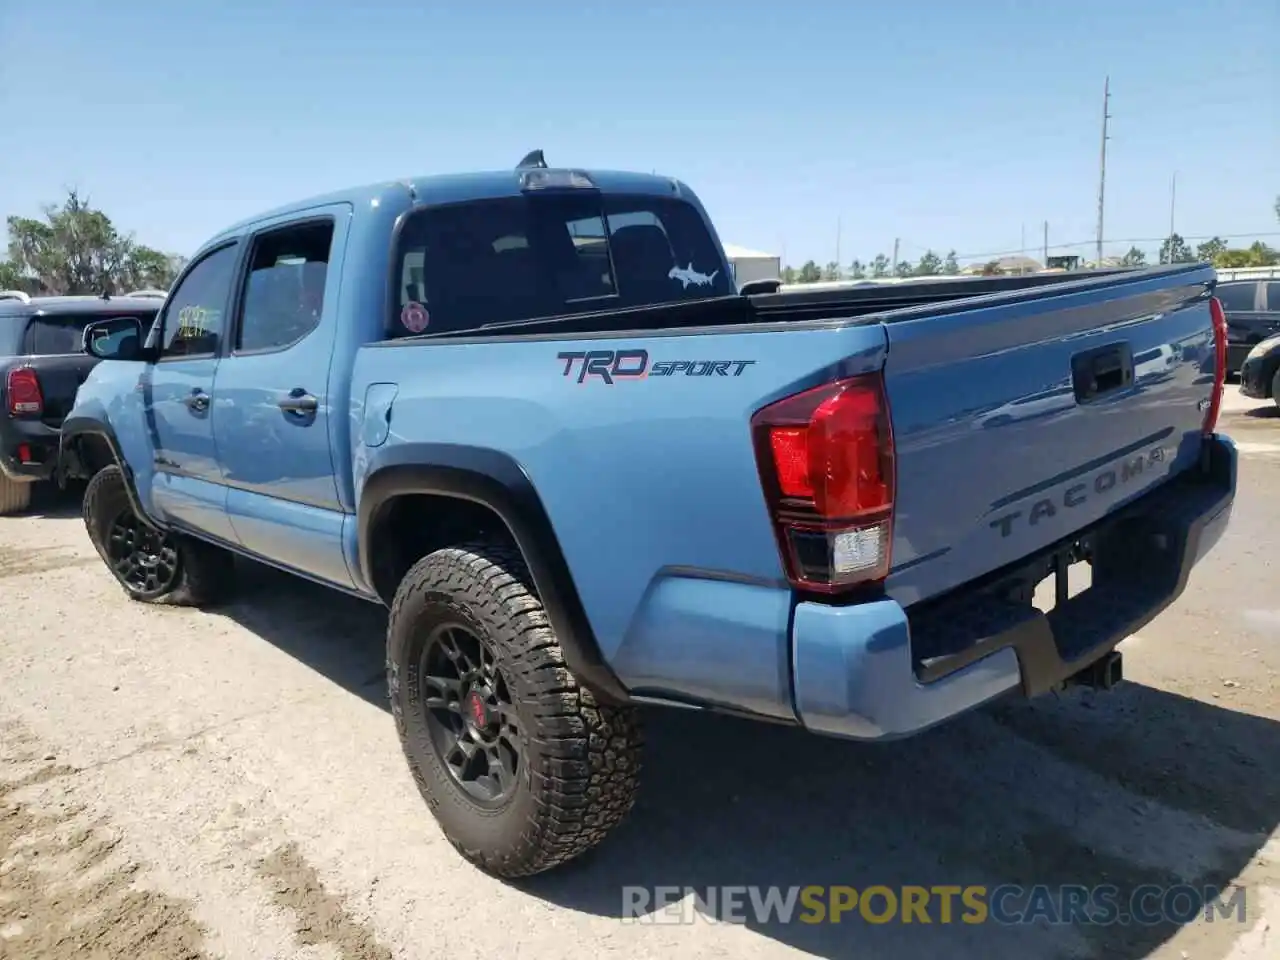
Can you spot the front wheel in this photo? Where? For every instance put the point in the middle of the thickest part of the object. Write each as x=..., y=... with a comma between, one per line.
x=520, y=765
x=153, y=566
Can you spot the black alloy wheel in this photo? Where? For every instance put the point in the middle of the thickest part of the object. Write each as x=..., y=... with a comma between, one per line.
x=145, y=560
x=469, y=714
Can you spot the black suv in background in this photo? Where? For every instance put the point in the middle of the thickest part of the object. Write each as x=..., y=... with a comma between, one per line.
x=1253, y=315
x=42, y=364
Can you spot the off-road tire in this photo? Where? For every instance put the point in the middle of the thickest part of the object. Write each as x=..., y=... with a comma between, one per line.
x=1275, y=389
x=579, y=760
x=15, y=496
x=205, y=574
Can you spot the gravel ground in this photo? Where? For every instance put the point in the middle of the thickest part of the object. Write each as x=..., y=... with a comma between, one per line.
x=177, y=784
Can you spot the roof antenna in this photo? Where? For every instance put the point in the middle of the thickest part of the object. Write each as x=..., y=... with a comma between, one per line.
x=533, y=160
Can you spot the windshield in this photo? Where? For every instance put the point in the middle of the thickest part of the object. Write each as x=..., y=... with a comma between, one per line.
x=469, y=265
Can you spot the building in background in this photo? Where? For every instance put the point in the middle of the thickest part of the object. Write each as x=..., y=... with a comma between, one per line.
x=748, y=265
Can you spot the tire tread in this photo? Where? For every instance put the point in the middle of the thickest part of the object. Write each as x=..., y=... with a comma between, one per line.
x=587, y=781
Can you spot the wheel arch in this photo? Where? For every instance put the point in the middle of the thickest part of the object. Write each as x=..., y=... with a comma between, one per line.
x=93, y=445
x=495, y=489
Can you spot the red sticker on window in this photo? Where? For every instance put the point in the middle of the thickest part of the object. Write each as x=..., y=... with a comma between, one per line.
x=414, y=317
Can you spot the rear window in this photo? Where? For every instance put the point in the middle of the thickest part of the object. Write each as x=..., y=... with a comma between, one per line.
x=63, y=333
x=1237, y=297
x=468, y=265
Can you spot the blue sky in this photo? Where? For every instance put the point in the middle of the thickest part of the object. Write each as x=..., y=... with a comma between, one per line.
x=949, y=125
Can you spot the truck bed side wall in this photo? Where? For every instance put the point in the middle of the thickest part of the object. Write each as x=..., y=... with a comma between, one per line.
x=649, y=481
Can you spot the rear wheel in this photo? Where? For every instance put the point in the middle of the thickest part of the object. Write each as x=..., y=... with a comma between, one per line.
x=15, y=496
x=152, y=566
x=520, y=765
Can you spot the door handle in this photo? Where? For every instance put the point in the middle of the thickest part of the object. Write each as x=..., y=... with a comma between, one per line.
x=299, y=401
x=197, y=401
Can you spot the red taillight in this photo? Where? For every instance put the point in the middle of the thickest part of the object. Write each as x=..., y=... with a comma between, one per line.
x=826, y=462
x=1219, y=364
x=23, y=391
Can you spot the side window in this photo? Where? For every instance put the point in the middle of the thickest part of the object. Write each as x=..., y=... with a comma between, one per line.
x=1238, y=297
x=1273, y=297
x=284, y=295
x=196, y=314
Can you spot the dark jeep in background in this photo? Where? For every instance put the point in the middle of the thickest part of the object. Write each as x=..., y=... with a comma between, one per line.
x=42, y=364
x=1253, y=315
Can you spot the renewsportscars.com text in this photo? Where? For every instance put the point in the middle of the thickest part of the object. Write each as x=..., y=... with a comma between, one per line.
x=1007, y=904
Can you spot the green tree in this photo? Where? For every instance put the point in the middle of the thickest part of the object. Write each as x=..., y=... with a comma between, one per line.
x=951, y=265
x=903, y=269
x=880, y=266
x=930, y=264
x=1257, y=254
x=11, y=277
x=788, y=274
x=1134, y=258
x=810, y=272
x=76, y=249
x=857, y=271
x=1175, y=250
x=831, y=271
x=1209, y=250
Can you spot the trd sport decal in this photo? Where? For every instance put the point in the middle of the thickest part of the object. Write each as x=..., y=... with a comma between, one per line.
x=612, y=365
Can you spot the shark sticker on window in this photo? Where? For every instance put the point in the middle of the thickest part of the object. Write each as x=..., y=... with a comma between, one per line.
x=688, y=275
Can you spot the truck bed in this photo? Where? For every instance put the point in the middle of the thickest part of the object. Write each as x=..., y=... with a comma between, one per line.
x=998, y=451
x=822, y=306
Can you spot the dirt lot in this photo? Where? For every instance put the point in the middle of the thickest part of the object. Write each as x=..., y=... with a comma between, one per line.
x=176, y=784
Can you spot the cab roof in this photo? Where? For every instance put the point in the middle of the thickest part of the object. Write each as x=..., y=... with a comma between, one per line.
x=455, y=188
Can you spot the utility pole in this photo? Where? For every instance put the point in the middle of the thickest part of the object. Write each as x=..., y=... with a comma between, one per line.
x=1102, y=167
x=1046, y=244
x=1173, y=198
x=894, y=266
x=838, y=261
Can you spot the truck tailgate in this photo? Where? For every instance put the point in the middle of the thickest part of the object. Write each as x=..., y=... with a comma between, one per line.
x=1018, y=423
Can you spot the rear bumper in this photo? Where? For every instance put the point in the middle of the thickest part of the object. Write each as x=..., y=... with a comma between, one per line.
x=857, y=670
x=28, y=449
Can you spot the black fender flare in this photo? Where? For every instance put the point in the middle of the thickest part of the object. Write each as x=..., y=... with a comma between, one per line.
x=496, y=481
x=74, y=428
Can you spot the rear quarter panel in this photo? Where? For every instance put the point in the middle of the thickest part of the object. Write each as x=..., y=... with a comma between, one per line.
x=641, y=478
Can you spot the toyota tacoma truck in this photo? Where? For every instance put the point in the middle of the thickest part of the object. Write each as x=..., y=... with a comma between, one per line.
x=529, y=412
x=42, y=364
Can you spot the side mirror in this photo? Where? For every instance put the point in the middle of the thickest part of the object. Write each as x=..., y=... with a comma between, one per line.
x=116, y=338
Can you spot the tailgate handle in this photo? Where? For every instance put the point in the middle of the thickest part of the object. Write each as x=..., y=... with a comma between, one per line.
x=1103, y=370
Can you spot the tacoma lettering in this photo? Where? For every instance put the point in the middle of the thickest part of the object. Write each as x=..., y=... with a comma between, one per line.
x=1046, y=508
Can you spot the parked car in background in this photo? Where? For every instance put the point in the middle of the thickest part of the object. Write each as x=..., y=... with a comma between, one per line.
x=42, y=364
x=1260, y=374
x=1253, y=315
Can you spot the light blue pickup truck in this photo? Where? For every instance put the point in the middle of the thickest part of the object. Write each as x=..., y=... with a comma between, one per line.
x=529, y=412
